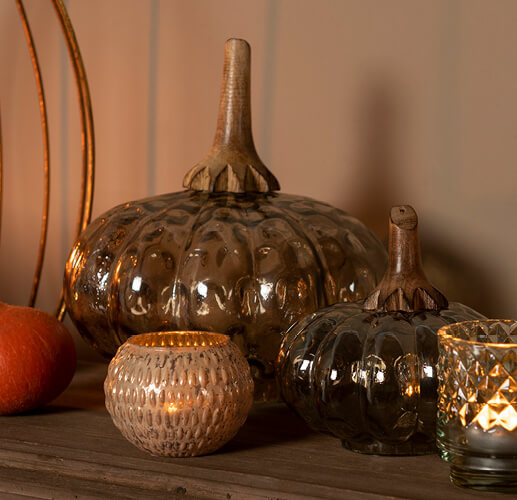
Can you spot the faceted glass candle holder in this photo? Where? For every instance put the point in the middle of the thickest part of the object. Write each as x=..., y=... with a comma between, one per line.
x=477, y=403
x=179, y=394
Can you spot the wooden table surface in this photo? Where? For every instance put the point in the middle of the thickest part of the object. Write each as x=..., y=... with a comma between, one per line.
x=71, y=449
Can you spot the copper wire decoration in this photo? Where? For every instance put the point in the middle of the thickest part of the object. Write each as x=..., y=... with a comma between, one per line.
x=87, y=138
x=87, y=134
x=46, y=153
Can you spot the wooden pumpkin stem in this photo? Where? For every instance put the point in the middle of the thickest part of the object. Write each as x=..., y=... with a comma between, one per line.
x=232, y=164
x=404, y=286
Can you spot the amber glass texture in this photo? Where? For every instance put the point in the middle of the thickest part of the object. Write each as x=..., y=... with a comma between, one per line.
x=477, y=403
x=248, y=265
x=368, y=378
x=179, y=394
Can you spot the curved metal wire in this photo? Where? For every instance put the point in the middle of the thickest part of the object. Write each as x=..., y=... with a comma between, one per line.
x=46, y=153
x=87, y=139
x=87, y=133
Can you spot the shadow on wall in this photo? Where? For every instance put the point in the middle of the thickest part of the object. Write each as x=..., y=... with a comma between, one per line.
x=380, y=117
x=379, y=187
x=461, y=278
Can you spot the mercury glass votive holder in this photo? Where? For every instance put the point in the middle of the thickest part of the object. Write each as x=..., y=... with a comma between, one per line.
x=477, y=403
x=179, y=394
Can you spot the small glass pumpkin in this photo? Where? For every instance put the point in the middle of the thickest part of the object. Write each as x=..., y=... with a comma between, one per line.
x=228, y=254
x=367, y=372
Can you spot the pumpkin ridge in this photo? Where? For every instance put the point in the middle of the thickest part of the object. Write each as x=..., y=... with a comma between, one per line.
x=113, y=294
x=112, y=303
x=291, y=337
x=253, y=259
x=347, y=223
x=315, y=380
x=188, y=241
x=307, y=234
x=91, y=232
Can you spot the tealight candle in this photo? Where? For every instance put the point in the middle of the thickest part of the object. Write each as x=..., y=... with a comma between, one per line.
x=179, y=394
x=477, y=403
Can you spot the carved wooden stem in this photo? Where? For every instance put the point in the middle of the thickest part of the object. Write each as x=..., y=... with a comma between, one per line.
x=232, y=164
x=404, y=286
x=234, y=120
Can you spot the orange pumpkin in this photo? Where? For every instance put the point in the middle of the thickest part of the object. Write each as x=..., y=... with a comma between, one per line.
x=37, y=358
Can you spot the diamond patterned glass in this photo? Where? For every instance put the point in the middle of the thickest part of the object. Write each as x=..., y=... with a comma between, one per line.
x=477, y=403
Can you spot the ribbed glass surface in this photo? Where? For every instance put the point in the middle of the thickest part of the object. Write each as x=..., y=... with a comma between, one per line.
x=248, y=265
x=369, y=379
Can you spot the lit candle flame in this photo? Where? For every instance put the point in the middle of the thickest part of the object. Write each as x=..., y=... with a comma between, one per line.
x=410, y=390
x=172, y=408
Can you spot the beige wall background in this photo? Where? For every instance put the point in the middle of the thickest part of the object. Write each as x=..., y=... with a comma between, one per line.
x=363, y=104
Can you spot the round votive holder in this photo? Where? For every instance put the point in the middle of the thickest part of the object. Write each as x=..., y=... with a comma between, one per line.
x=179, y=394
x=477, y=403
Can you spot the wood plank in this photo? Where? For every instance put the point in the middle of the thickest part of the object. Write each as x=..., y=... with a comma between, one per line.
x=73, y=446
x=32, y=484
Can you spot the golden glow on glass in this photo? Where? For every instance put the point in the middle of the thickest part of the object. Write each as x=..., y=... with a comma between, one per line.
x=498, y=411
x=172, y=408
x=410, y=390
x=187, y=339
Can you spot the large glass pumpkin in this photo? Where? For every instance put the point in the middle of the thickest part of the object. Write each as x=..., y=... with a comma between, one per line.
x=367, y=372
x=228, y=254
